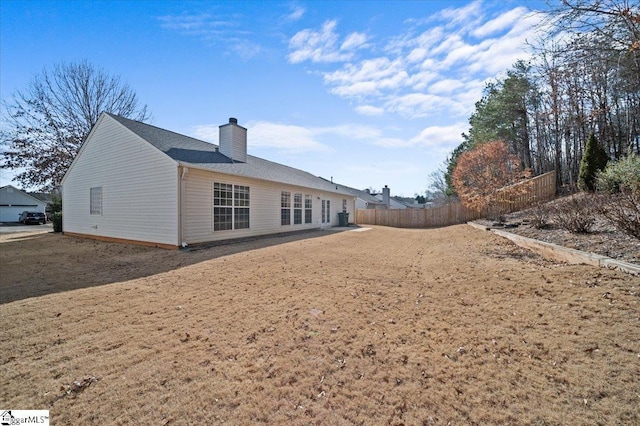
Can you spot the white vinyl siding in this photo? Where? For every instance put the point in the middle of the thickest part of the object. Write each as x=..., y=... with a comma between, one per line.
x=264, y=212
x=139, y=188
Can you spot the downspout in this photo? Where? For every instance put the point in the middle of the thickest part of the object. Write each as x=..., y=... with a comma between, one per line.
x=182, y=207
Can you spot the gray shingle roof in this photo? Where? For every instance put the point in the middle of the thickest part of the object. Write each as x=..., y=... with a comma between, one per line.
x=204, y=155
x=363, y=195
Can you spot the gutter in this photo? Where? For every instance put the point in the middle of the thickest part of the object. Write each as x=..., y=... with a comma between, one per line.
x=182, y=170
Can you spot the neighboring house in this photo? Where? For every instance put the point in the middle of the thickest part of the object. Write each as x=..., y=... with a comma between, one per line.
x=364, y=199
x=408, y=202
x=397, y=202
x=135, y=182
x=14, y=201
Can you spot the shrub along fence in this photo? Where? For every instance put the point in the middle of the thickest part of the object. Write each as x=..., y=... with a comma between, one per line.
x=516, y=197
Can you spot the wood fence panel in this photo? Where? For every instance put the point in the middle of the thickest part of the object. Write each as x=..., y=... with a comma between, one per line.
x=517, y=197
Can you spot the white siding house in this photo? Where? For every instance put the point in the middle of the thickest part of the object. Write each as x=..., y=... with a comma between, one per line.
x=135, y=182
x=14, y=201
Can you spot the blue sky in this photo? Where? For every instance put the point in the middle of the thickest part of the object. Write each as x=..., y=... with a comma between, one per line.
x=371, y=93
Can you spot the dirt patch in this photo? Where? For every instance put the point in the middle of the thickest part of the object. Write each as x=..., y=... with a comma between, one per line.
x=389, y=326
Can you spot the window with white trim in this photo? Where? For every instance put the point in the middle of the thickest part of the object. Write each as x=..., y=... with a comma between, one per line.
x=95, y=200
x=222, y=206
x=285, y=208
x=241, y=207
x=344, y=205
x=297, y=209
x=307, y=208
x=230, y=206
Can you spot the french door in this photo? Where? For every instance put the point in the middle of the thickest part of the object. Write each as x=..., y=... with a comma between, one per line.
x=326, y=212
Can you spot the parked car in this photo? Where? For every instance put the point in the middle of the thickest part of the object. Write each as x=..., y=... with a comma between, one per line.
x=32, y=217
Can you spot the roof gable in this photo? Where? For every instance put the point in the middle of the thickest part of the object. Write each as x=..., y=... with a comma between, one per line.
x=10, y=189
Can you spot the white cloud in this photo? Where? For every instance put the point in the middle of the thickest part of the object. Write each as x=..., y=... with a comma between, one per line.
x=445, y=87
x=415, y=105
x=417, y=55
x=184, y=22
x=203, y=25
x=297, y=139
x=317, y=46
x=420, y=80
x=449, y=43
x=285, y=137
x=354, y=41
x=500, y=23
x=467, y=15
x=369, y=110
x=206, y=132
x=370, y=77
x=436, y=65
x=350, y=131
x=263, y=134
x=296, y=13
x=443, y=137
x=246, y=48
x=215, y=32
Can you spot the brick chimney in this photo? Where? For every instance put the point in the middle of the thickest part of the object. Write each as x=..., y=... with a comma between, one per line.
x=233, y=141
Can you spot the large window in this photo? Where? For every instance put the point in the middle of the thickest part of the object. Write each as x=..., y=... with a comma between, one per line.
x=307, y=208
x=285, y=208
x=297, y=209
x=95, y=200
x=230, y=207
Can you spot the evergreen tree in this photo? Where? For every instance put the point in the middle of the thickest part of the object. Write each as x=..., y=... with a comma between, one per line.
x=593, y=160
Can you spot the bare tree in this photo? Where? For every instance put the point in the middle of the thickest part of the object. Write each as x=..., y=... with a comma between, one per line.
x=438, y=186
x=45, y=125
x=617, y=20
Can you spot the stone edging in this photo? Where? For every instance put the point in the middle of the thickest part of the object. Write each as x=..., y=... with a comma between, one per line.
x=556, y=252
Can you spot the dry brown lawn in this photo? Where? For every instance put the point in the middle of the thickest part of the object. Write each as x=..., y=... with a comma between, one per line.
x=385, y=326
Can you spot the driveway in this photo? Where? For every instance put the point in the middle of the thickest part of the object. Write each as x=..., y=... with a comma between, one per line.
x=11, y=227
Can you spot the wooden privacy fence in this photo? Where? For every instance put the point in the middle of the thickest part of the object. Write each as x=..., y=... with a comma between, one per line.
x=525, y=194
x=449, y=214
x=513, y=198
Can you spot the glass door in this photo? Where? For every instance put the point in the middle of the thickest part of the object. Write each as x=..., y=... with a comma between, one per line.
x=325, y=214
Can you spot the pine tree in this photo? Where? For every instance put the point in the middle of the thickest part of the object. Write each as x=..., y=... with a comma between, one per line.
x=593, y=160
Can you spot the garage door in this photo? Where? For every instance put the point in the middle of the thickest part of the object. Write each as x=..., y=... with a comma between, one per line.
x=11, y=213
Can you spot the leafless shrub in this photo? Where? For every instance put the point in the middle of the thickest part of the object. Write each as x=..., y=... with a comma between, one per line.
x=622, y=210
x=539, y=216
x=619, y=185
x=576, y=213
